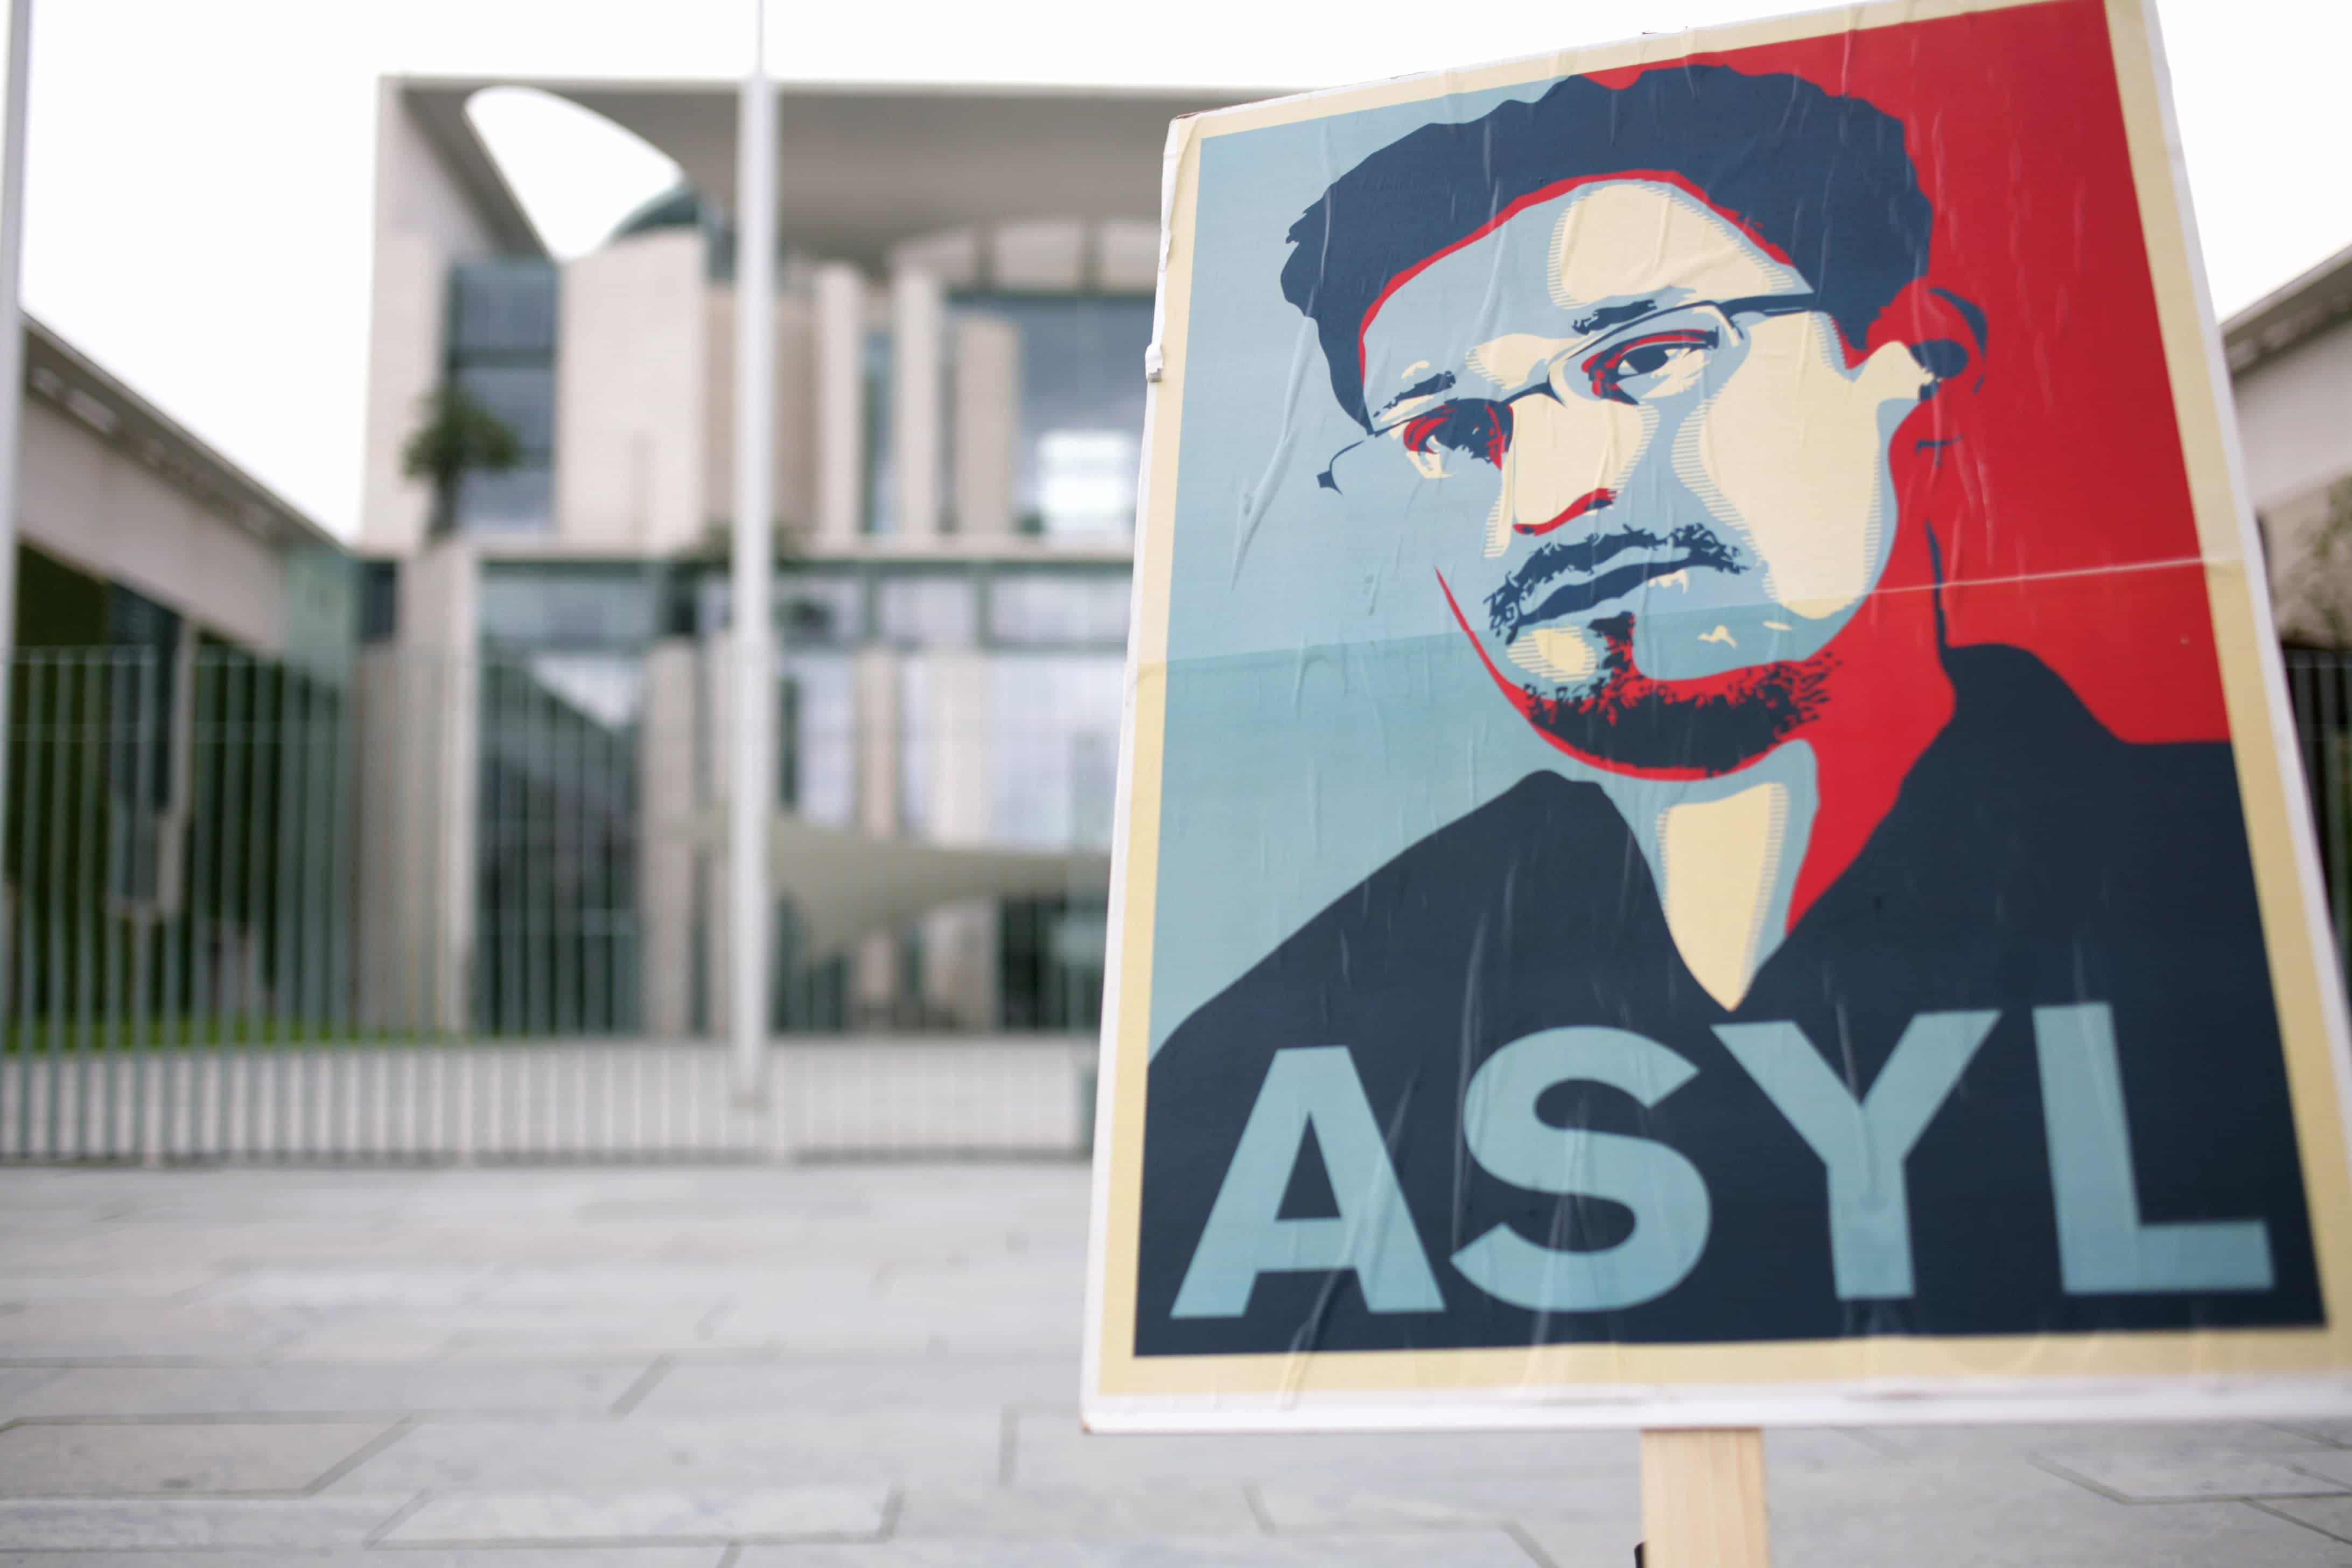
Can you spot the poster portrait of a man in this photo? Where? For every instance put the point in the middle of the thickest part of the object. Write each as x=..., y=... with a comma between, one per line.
x=1776, y=866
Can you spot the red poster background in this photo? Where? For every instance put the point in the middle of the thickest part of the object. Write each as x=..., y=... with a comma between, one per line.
x=2061, y=504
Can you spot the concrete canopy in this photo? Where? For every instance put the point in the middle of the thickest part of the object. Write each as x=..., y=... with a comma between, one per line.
x=843, y=884
x=857, y=162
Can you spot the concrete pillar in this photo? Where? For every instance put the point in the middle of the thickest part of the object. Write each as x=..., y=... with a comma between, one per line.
x=877, y=722
x=917, y=350
x=796, y=398
x=632, y=394
x=960, y=962
x=959, y=977
x=667, y=816
x=874, y=977
x=840, y=306
x=439, y=640
x=714, y=679
x=954, y=694
x=987, y=424
x=794, y=479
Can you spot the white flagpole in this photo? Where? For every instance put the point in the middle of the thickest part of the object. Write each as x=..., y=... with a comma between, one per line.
x=12, y=341
x=11, y=354
x=754, y=796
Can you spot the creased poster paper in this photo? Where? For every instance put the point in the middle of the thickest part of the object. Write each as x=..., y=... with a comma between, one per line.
x=1705, y=829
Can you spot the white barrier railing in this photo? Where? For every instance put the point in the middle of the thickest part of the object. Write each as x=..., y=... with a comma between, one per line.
x=427, y=909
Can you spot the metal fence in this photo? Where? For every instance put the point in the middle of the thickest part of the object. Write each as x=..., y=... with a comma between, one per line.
x=420, y=908
x=857, y=1097
x=2319, y=686
x=461, y=909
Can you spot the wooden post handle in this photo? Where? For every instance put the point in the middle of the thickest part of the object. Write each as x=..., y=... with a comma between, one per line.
x=1703, y=1498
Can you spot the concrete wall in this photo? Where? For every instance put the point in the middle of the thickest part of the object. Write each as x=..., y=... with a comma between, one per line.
x=669, y=844
x=2294, y=425
x=423, y=222
x=986, y=424
x=918, y=399
x=417, y=784
x=632, y=386
x=795, y=406
x=840, y=304
x=87, y=501
x=2294, y=415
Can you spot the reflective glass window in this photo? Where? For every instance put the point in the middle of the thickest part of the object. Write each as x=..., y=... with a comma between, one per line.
x=818, y=740
x=1081, y=408
x=820, y=609
x=502, y=307
x=1053, y=749
x=812, y=609
x=524, y=397
x=1058, y=609
x=528, y=605
x=520, y=501
x=925, y=609
x=501, y=353
x=881, y=476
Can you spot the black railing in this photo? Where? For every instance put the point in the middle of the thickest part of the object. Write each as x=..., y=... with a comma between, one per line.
x=2319, y=686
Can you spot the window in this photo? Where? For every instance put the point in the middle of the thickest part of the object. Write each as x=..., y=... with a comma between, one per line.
x=141, y=689
x=532, y=605
x=379, y=601
x=503, y=355
x=1053, y=749
x=817, y=743
x=1081, y=408
x=820, y=609
x=881, y=490
x=925, y=609
x=1058, y=608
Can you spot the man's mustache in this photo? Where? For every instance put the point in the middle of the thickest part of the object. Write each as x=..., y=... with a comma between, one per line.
x=1508, y=607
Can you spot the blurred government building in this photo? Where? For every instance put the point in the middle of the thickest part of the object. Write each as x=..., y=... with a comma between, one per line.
x=964, y=301
x=463, y=779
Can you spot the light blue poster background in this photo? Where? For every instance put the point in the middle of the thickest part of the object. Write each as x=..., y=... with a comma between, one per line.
x=1323, y=712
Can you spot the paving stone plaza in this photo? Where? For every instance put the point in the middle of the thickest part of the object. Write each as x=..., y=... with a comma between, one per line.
x=851, y=1366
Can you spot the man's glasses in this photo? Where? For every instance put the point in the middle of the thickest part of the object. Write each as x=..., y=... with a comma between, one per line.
x=1648, y=360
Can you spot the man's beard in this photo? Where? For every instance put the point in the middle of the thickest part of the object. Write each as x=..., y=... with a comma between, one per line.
x=1529, y=596
x=1623, y=719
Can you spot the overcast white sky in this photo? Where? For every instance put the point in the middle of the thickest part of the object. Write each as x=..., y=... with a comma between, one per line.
x=197, y=191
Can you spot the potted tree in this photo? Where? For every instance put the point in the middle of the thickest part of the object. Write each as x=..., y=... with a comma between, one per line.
x=459, y=436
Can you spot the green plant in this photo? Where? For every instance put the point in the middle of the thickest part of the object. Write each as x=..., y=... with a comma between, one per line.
x=2320, y=607
x=458, y=437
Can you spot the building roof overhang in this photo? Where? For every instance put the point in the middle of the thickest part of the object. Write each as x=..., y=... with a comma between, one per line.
x=858, y=162
x=63, y=376
x=2288, y=315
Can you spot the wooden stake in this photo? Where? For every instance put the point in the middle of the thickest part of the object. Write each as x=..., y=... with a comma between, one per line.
x=1703, y=1498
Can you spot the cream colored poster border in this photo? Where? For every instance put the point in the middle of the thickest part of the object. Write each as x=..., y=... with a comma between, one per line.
x=2112, y=1376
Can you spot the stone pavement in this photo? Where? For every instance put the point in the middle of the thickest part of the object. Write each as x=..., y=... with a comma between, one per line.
x=851, y=1367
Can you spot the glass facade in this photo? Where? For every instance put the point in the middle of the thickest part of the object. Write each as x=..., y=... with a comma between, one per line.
x=881, y=488
x=1053, y=756
x=501, y=353
x=573, y=604
x=998, y=722
x=558, y=925
x=925, y=609
x=1059, y=609
x=558, y=918
x=970, y=705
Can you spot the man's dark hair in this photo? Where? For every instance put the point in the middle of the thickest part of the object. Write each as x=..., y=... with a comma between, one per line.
x=1823, y=178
